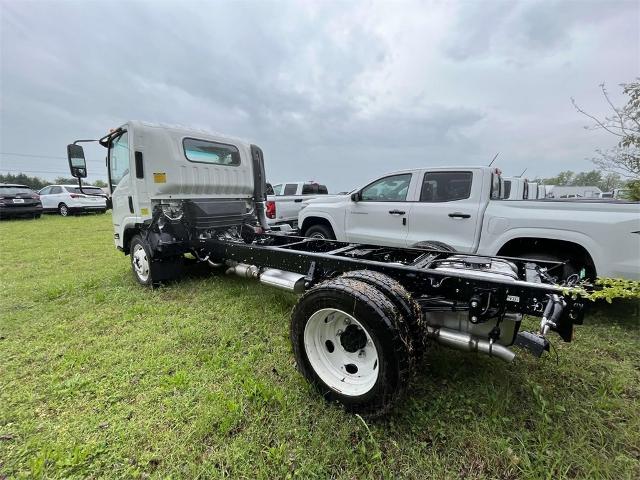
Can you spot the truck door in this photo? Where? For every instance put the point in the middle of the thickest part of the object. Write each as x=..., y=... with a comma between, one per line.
x=448, y=209
x=119, y=171
x=379, y=217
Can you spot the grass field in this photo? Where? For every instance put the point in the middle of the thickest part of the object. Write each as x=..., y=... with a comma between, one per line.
x=101, y=378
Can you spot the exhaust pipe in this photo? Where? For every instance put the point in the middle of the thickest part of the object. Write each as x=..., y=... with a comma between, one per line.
x=293, y=282
x=467, y=343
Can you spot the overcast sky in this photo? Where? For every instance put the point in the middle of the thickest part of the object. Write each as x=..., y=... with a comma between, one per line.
x=336, y=92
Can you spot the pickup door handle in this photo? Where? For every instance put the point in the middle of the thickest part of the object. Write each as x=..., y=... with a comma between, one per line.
x=396, y=212
x=459, y=215
x=298, y=200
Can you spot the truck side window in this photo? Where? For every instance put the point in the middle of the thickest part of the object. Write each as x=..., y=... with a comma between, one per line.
x=290, y=188
x=203, y=151
x=119, y=158
x=277, y=189
x=446, y=186
x=387, y=189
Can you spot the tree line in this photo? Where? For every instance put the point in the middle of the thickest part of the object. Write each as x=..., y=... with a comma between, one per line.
x=37, y=183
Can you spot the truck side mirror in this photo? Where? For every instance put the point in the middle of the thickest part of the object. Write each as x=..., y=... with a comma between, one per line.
x=77, y=163
x=356, y=197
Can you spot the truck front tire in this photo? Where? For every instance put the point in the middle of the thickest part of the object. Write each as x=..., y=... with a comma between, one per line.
x=150, y=271
x=140, y=254
x=320, y=231
x=352, y=343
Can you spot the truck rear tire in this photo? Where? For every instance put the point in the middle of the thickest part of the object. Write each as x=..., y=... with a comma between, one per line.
x=320, y=231
x=352, y=344
x=401, y=298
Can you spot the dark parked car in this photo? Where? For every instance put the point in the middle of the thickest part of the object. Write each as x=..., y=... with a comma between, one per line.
x=19, y=201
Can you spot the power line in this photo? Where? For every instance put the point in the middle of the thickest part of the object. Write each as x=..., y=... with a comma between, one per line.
x=40, y=156
x=33, y=171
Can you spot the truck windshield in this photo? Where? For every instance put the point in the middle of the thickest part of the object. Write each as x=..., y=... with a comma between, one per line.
x=119, y=159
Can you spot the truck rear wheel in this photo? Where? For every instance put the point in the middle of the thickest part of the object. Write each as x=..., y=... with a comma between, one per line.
x=352, y=344
x=401, y=298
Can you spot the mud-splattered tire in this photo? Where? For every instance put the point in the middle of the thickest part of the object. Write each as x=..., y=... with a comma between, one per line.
x=402, y=300
x=332, y=324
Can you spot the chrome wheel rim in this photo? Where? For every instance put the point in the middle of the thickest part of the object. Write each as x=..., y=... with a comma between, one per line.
x=140, y=262
x=64, y=211
x=341, y=352
x=317, y=235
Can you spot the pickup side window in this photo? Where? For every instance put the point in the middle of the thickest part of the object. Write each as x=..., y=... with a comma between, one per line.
x=203, y=151
x=446, y=186
x=290, y=188
x=388, y=189
x=277, y=189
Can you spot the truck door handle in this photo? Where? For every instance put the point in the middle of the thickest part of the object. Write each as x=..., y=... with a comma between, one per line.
x=459, y=215
x=298, y=200
x=131, y=204
x=396, y=212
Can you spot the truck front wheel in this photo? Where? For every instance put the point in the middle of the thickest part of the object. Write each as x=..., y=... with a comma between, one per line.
x=352, y=344
x=140, y=260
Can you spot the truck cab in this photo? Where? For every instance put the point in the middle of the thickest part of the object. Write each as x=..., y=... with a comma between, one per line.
x=154, y=168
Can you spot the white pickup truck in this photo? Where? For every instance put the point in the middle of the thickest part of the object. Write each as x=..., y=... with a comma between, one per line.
x=286, y=200
x=464, y=209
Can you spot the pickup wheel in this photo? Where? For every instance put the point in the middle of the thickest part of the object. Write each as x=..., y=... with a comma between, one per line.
x=320, y=231
x=352, y=344
x=562, y=272
x=434, y=245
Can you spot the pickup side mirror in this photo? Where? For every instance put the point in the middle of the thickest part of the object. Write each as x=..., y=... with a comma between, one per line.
x=356, y=197
x=77, y=163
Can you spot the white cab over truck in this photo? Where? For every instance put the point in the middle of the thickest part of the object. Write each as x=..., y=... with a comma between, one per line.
x=285, y=203
x=463, y=208
x=366, y=313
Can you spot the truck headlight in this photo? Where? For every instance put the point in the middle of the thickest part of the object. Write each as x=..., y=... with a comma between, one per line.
x=172, y=210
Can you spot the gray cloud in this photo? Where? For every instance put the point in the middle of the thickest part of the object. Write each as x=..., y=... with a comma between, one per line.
x=337, y=92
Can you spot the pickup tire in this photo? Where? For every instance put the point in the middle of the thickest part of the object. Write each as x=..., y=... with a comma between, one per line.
x=320, y=231
x=434, y=245
x=353, y=345
x=562, y=272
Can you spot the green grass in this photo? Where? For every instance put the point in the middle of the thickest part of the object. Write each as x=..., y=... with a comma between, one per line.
x=101, y=378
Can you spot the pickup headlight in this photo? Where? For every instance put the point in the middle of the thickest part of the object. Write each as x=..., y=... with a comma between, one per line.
x=172, y=210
